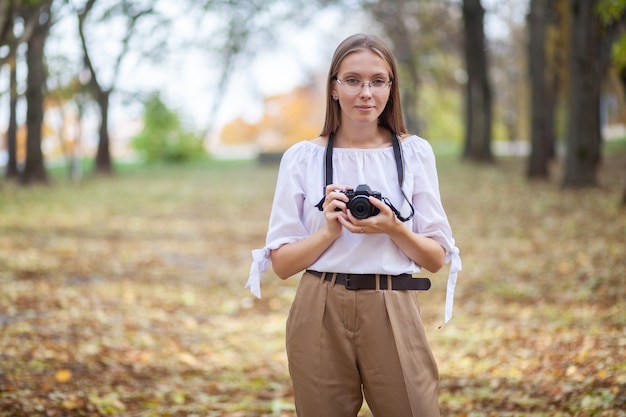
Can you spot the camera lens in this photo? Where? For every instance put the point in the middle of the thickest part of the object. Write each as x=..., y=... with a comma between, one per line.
x=360, y=207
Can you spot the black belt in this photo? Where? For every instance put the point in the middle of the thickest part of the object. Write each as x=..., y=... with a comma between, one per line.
x=368, y=281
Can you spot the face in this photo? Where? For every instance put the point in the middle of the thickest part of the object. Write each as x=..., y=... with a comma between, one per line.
x=367, y=103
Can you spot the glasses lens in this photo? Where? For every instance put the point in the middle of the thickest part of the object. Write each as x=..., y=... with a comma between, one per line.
x=354, y=86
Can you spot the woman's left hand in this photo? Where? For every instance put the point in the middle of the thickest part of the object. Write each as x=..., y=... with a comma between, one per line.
x=383, y=222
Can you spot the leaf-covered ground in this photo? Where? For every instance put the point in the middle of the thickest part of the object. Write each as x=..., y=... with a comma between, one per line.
x=124, y=296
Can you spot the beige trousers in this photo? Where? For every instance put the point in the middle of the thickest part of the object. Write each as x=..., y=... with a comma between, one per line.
x=343, y=344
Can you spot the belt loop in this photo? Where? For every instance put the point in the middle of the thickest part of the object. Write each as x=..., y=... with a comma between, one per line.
x=322, y=278
x=377, y=282
x=389, y=281
x=333, y=279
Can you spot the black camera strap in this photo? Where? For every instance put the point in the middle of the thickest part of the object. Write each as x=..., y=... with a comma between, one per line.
x=399, y=157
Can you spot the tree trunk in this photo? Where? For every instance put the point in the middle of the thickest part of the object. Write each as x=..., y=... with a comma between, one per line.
x=103, y=163
x=542, y=92
x=478, y=94
x=410, y=101
x=7, y=38
x=584, y=135
x=6, y=20
x=34, y=169
x=11, y=168
x=103, y=156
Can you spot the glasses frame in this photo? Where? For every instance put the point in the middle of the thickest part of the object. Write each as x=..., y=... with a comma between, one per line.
x=373, y=89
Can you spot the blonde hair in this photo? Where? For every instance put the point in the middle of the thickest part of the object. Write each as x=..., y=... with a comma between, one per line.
x=391, y=117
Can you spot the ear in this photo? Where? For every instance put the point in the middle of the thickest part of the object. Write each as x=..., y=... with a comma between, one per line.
x=333, y=92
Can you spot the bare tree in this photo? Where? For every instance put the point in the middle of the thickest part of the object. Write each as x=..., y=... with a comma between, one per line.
x=613, y=48
x=10, y=12
x=132, y=12
x=478, y=94
x=595, y=27
x=11, y=168
x=7, y=14
x=543, y=89
x=7, y=38
x=34, y=169
x=244, y=27
x=584, y=135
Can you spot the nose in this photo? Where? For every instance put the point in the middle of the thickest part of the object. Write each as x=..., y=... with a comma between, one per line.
x=366, y=89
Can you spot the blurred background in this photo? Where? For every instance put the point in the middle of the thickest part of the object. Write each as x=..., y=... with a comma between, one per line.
x=139, y=142
x=93, y=79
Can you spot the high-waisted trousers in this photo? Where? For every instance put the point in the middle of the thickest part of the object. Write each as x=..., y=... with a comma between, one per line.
x=344, y=344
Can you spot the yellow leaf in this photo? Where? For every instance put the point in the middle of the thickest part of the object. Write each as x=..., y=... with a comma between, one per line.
x=63, y=375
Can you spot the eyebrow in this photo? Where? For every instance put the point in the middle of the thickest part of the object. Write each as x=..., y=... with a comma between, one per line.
x=379, y=74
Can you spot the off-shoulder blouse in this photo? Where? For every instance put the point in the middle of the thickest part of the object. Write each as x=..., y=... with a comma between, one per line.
x=300, y=186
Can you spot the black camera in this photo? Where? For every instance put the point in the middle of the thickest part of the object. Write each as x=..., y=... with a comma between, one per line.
x=359, y=204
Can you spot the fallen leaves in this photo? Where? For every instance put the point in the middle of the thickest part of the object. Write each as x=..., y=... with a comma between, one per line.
x=125, y=297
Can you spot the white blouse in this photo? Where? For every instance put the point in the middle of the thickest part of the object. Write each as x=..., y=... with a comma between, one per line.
x=300, y=186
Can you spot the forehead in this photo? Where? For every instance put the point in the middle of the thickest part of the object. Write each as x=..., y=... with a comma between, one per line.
x=364, y=62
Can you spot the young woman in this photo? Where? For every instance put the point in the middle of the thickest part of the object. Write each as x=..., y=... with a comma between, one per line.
x=354, y=328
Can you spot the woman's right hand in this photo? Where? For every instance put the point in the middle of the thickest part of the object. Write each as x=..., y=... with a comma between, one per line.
x=291, y=258
x=335, y=207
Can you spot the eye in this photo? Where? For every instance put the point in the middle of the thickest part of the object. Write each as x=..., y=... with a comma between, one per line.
x=353, y=81
x=378, y=83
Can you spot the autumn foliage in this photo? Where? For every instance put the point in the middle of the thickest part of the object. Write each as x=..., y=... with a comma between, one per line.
x=287, y=118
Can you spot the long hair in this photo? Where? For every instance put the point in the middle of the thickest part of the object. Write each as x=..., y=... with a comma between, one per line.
x=391, y=117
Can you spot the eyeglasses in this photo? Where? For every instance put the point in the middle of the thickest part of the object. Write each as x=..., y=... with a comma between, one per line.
x=354, y=85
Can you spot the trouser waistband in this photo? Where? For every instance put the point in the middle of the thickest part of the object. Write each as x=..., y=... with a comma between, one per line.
x=374, y=281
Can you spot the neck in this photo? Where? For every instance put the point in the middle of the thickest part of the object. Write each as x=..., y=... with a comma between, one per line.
x=377, y=137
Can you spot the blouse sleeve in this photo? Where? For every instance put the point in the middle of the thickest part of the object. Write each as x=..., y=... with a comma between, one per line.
x=286, y=224
x=431, y=219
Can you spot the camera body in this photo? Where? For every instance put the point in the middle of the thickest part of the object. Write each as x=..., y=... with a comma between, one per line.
x=359, y=204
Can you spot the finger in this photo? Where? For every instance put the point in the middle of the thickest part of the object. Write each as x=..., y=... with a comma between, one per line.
x=333, y=205
x=379, y=204
x=330, y=188
x=334, y=194
x=352, y=227
x=345, y=222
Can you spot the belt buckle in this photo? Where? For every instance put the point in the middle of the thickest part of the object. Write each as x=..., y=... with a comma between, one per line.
x=349, y=283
